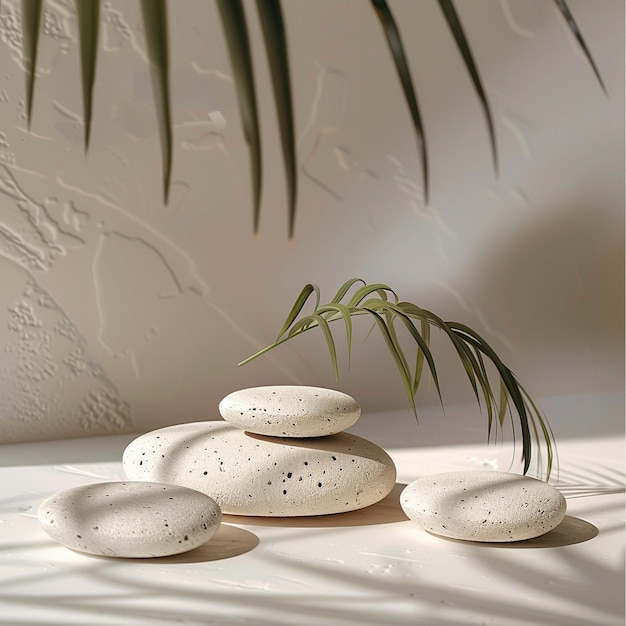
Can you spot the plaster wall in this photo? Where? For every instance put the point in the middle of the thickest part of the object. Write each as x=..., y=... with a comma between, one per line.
x=118, y=313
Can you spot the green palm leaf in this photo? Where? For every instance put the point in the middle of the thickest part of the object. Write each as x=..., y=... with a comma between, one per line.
x=343, y=290
x=275, y=39
x=419, y=359
x=422, y=345
x=88, y=13
x=328, y=336
x=389, y=323
x=398, y=357
x=503, y=405
x=478, y=366
x=331, y=311
x=414, y=311
x=507, y=377
x=452, y=18
x=31, y=18
x=392, y=34
x=546, y=430
x=571, y=22
x=471, y=349
x=301, y=300
x=155, y=25
x=236, y=32
x=380, y=288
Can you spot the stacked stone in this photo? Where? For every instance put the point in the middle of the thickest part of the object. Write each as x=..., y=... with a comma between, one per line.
x=281, y=452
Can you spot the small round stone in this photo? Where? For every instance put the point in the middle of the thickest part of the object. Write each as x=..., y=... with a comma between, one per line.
x=290, y=411
x=483, y=505
x=130, y=519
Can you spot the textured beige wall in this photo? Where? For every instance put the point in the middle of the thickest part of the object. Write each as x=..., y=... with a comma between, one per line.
x=117, y=313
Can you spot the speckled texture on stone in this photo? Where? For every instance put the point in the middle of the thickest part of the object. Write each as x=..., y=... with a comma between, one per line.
x=290, y=410
x=249, y=474
x=483, y=505
x=130, y=519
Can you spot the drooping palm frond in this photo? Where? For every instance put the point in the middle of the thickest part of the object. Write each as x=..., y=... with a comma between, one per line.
x=238, y=42
x=381, y=304
x=88, y=14
x=392, y=34
x=31, y=19
x=573, y=26
x=272, y=24
x=454, y=22
x=154, y=14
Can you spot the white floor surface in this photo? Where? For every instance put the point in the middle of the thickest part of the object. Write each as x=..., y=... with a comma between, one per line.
x=368, y=567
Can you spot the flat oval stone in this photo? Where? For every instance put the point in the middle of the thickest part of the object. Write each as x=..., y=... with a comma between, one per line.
x=290, y=411
x=249, y=474
x=130, y=519
x=483, y=505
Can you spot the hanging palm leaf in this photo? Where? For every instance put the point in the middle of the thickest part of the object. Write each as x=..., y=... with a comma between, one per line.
x=381, y=304
x=154, y=14
x=392, y=34
x=88, y=13
x=31, y=18
x=236, y=32
x=155, y=25
x=571, y=22
x=275, y=39
x=458, y=33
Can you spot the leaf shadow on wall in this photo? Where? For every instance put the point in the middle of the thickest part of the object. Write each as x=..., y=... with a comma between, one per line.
x=557, y=288
x=560, y=282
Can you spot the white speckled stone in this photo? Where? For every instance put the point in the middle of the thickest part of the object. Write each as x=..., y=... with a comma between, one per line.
x=249, y=474
x=483, y=505
x=130, y=519
x=290, y=411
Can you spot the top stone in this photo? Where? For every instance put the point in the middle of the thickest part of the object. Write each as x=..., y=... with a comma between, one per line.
x=290, y=411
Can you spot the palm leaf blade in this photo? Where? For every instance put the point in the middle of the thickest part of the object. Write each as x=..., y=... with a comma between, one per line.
x=423, y=314
x=31, y=18
x=548, y=435
x=419, y=358
x=154, y=14
x=344, y=312
x=397, y=357
x=88, y=13
x=392, y=34
x=389, y=320
x=343, y=290
x=272, y=24
x=478, y=365
x=504, y=403
x=573, y=26
x=330, y=342
x=512, y=388
x=362, y=293
x=422, y=344
x=301, y=300
x=237, y=40
x=453, y=21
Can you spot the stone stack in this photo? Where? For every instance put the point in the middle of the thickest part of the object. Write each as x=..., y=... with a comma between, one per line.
x=280, y=452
